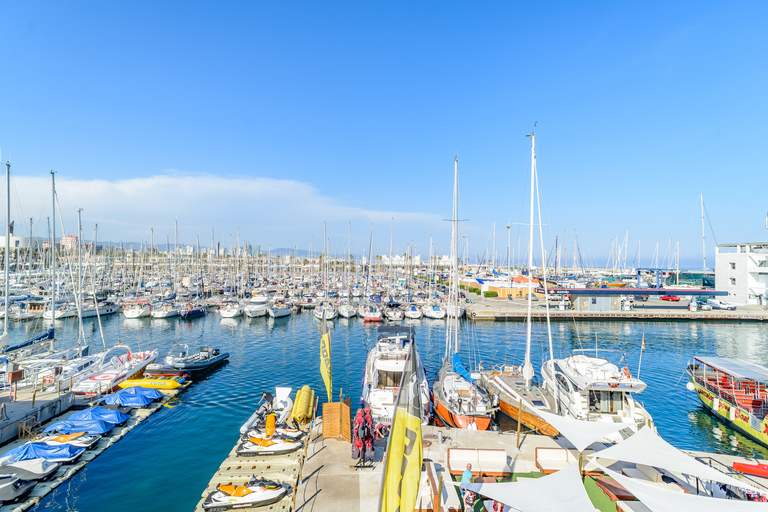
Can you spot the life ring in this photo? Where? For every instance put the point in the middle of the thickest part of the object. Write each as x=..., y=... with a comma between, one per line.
x=48, y=379
x=513, y=370
x=613, y=384
x=625, y=370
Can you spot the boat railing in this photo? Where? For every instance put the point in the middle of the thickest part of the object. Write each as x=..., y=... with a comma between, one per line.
x=728, y=470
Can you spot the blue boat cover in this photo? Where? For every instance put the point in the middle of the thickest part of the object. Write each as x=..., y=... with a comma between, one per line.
x=459, y=368
x=126, y=400
x=31, y=451
x=138, y=390
x=88, y=426
x=100, y=413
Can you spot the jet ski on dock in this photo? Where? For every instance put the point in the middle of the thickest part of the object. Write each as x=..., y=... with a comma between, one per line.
x=258, y=492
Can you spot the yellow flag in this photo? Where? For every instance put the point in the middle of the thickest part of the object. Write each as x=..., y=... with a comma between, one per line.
x=325, y=358
x=405, y=452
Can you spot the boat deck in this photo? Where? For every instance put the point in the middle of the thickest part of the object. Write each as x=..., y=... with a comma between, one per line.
x=65, y=472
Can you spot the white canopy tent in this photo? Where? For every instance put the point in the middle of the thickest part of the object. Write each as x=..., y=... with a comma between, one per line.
x=537, y=495
x=647, y=448
x=580, y=433
x=659, y=499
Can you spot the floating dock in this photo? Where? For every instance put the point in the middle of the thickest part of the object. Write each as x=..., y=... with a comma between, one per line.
x=29, y=409
x=67, y=471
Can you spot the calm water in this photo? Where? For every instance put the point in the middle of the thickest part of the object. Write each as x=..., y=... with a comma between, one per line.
x=165, y=462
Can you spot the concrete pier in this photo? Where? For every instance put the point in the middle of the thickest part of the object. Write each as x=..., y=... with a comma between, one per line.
x=30, y=408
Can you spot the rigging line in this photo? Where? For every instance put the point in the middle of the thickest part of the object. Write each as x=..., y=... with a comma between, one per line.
x=710, y=223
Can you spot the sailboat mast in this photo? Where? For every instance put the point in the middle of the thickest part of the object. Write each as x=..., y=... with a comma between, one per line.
x=53, y=245
x=527, y=366
x=703, y=241
x=7, y=248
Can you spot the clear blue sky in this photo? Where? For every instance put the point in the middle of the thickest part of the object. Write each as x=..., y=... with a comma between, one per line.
x=275, y=116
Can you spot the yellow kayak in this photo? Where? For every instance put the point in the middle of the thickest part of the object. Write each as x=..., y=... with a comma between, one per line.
x=155, y=381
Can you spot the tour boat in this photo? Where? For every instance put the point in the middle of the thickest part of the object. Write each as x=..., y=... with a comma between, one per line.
x=733, y=390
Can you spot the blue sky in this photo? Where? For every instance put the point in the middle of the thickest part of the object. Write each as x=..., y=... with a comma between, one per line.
x=275, y=116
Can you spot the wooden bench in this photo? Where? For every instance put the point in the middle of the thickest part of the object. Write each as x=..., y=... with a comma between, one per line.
x=613, y=489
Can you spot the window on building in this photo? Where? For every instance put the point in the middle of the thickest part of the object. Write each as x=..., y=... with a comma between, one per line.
x=733, y=281
x=733, y=265
x=762, y=263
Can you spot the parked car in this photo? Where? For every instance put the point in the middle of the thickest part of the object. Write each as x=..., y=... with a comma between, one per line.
x=673, y=298
x=702, y=305
x=720, y=304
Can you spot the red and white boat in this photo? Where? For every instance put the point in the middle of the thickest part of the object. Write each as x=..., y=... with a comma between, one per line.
x=118, y=364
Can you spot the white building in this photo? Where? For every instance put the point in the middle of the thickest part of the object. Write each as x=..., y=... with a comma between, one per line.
x=742, y=271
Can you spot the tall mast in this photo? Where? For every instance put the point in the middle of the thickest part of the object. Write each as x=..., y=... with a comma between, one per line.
x=703, y=241
x=4, y=338
x=527, y=366
x=53, y=246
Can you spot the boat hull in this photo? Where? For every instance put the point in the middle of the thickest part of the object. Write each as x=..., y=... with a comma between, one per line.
x=459, y=420
x=734, y=415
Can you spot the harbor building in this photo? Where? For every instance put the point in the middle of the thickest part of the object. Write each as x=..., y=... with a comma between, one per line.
x=742, y=271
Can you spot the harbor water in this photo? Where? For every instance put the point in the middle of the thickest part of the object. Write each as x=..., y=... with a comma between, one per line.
x=166, y=461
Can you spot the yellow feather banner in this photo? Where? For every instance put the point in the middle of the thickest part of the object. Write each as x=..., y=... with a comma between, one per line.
x=325, y=359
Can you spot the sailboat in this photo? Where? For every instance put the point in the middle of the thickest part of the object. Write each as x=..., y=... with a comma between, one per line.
x=511, y=386
x=459, y=400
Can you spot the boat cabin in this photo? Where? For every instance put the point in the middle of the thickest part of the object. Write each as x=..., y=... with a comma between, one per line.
x=735, y=381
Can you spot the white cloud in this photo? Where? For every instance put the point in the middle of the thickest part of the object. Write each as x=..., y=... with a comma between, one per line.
x=283, y=213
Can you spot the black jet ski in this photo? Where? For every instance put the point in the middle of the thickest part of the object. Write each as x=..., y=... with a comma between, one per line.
x=258, y=492
x=13, y=488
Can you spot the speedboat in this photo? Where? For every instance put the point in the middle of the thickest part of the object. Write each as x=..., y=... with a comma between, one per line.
x=257, y=306
x=281, y=406
x=12, y=488
x=258, y=492
x=590, y=387
x=204, y=359
x=177, y=352
x=81, y=439
x=384, y=370
x=230, y=309
x=459, y=400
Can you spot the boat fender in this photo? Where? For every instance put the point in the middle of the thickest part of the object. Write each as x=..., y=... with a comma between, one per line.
x=270, y=428
x=296, y=404
x=690, y=387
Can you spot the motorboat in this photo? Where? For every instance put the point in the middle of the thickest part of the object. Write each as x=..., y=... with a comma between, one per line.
x=177, y=352
x=88, y=426
x=118, y=364
x=204, y=359
x=257, y=306
x=281, y=406
x=433, y=311
x=384, y=370
x=258, y=492
x=587, y=386
x=81, y=439
x=13, y=488
x=100, y=413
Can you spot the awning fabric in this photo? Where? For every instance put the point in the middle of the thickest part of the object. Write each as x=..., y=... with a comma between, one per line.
x=580, y=433
x=647, y=448
x=552, y=493
x=659, y=499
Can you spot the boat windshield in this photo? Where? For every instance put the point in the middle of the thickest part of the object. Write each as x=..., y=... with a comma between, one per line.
x=179, y=350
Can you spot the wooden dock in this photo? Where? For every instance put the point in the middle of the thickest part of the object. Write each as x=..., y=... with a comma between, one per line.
x=67, y=471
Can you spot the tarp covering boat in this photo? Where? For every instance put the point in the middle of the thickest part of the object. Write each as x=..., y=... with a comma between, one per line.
x=31, y=451
x=459, y=368
x=100, y=413
x=87, y=426
x=138, y=390
x=126, y=400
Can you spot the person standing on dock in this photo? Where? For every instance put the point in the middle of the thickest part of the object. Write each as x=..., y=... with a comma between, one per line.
x=267, y=398
x=469, y=496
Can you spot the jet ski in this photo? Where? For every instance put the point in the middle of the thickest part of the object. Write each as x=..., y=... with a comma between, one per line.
x=283, y=430
x=258, y=492
x=65, y=453
x=13, y=488
x=261, y=445
x=82, y=439
x=34, y=469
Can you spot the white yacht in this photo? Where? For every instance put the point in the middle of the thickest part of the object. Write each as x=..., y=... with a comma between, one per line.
x=279, y=310
x=347, y=310
x=590, y=387
x=137, y=310
x=384, y=370
x=257, y=306
x=230, y=309
x=370, y=312
x=413, y=312
x=326, y=311
x=432, y=310
x=165, y=310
